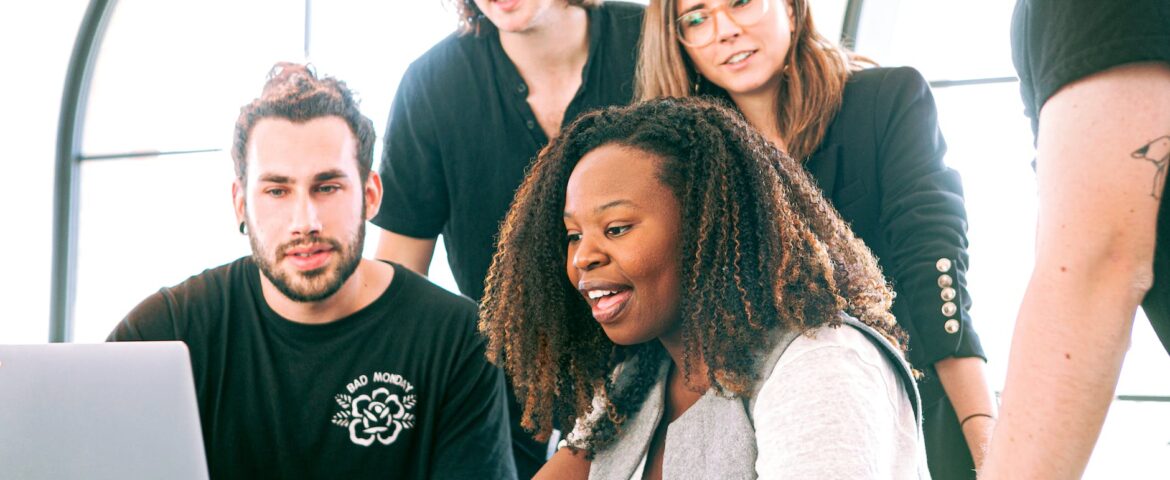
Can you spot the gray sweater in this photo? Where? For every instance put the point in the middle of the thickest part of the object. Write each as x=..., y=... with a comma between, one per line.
x=836, y=403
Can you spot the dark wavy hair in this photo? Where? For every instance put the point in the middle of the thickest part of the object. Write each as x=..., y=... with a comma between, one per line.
x=761, y=251
x=470, y=16
x=293, y=92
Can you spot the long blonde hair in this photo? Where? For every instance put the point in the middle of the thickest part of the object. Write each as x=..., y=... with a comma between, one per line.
x=815, y=73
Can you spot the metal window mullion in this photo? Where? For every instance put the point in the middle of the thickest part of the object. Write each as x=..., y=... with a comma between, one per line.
x=144, y=154
x=851, y=23
x=67, y=172
x=971, y=81
x=308, y=32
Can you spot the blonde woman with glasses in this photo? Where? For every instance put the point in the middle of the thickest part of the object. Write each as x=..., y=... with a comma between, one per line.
x=870, y=138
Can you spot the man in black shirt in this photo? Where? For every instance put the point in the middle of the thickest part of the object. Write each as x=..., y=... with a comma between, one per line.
x=309, y=361
x=1095, y=78
x=471, y=113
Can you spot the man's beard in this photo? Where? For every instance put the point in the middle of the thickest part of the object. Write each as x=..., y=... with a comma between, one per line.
x=314, y=285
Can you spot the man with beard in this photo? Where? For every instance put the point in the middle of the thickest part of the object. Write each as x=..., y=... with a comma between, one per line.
x=310, y=361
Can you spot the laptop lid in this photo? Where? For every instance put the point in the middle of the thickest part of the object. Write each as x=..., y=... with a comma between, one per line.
x=113, y=410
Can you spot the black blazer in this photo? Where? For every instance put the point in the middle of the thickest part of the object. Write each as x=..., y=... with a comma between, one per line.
x=881, y=165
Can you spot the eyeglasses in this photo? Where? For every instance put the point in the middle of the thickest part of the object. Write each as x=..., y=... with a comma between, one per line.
x=697, y=28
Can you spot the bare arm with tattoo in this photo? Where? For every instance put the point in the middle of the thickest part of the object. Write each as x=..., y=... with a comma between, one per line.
x=1101, y=165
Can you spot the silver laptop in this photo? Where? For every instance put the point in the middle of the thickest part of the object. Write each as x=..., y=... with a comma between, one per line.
x=114, y=410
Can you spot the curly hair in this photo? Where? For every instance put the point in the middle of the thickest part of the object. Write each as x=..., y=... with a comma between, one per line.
x=470, y=16
x=293, y=92
x=761, y=251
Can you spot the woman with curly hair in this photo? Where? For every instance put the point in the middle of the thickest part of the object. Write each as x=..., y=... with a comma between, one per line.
x=871, y=140
x=665, y=265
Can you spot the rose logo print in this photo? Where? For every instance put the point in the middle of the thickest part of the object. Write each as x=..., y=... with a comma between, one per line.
x=380, y=415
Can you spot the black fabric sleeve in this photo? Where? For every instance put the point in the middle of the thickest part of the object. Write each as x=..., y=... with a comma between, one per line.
x=923, y=219
x=474, y=436
x=1057, y=42
x=151, y=320
x=414, y=200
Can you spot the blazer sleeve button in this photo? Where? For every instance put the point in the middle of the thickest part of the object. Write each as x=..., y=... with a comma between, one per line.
x=947, y=294
x=945, y=281
x=951, y=326
x=943, y=264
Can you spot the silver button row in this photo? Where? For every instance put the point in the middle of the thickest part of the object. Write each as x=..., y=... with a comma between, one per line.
x=947, y=294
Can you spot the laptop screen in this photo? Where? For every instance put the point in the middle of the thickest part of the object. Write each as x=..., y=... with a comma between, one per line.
x=114, y=410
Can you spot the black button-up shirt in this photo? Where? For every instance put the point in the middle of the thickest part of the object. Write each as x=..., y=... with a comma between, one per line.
x=461, y=133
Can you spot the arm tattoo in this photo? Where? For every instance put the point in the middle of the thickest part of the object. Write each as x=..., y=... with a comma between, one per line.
x=1157, y=151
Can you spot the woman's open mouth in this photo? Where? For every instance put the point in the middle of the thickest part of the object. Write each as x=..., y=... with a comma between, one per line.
x=607, y=302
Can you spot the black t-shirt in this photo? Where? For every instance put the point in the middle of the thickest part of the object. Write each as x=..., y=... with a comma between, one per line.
x=1057, y=42
x=461, y=134
x=399, y=389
